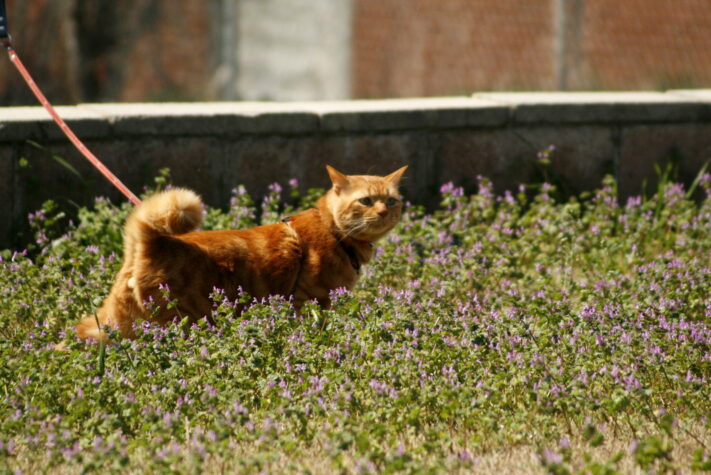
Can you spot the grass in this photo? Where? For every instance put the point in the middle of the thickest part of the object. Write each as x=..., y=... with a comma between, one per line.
x=513, y=333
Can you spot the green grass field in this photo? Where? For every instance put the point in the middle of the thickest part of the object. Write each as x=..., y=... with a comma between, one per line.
x=510, y=334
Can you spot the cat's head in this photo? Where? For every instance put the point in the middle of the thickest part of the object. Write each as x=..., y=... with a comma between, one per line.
x=364, y=207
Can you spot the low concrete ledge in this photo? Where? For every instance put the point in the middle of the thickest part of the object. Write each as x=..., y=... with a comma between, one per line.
x=703, y=95
x=22, y=123
x=254, y=117
x=211, y=147
x=603, y=107
x=480, y=110
x=408, y=114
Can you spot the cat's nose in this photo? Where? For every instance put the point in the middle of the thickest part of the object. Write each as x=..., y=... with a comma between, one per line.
x=382, y=210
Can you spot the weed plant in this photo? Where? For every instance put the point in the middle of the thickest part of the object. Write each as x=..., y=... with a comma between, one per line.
x=575, y=331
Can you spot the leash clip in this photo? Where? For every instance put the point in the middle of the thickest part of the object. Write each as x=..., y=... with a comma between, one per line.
x=4, y=33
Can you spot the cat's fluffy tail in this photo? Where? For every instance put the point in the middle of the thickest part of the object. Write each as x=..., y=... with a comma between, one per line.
x=174, y=211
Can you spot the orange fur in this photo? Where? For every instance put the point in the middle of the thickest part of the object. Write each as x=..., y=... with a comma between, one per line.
x=305, y=257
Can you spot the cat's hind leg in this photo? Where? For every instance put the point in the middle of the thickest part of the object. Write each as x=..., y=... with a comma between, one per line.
x=119, y=311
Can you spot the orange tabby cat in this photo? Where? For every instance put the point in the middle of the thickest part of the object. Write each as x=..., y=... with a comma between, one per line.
x=306, y=256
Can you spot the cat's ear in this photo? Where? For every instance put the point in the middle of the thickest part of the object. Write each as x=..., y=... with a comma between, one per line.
x=339, y=180
x=395, y=176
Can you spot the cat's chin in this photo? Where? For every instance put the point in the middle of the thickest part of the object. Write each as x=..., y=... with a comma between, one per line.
x=373, y=235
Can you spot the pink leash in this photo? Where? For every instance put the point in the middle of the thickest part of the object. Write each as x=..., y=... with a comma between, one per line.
x=63, y=125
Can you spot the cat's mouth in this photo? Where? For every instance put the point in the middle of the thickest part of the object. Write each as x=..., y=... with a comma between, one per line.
x=371, y=230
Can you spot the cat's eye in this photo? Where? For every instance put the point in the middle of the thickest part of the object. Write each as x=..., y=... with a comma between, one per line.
x=391, y=202
x=367, y=201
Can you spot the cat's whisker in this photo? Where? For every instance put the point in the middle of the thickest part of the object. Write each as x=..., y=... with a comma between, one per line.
x=357, y=227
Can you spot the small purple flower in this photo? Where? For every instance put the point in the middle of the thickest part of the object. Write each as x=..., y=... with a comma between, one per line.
x=465, y=456
x=634, y=445
x=210, y=390
x=552, y=458
x=446, y=188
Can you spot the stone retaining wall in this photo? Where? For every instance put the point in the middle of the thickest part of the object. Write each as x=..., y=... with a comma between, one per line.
x=212, y=147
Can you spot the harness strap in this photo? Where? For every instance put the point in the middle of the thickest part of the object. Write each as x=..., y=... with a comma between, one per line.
x=349, y=250
x=352, y=256
x=287, y=221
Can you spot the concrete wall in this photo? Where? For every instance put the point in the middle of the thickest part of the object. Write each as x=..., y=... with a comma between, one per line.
x=293, y=49
x=212, y=147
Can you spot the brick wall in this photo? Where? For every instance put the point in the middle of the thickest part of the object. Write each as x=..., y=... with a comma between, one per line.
x=647, y=44
x=162, y=50
x=132, y=50
x=442, y=47
x=169, y=56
